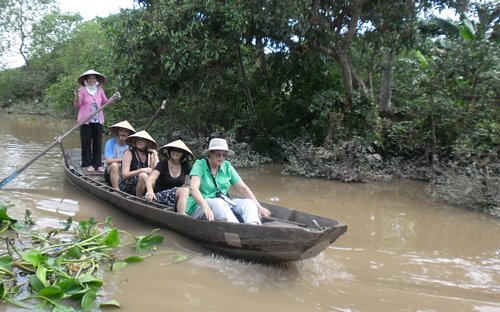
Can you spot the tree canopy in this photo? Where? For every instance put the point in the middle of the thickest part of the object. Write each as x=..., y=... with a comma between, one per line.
x=386, y=71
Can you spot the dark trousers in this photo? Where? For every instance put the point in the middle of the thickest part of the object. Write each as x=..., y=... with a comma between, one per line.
x=91, y=138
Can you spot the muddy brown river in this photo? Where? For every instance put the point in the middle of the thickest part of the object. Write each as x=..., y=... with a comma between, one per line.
x=403, y=250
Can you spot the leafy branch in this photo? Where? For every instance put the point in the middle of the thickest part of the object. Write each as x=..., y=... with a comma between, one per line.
x=57, y=269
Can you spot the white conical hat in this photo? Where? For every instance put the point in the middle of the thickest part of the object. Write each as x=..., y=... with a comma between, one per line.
x=100, y=77
x=122, y=124
x=143, y=135
x=177, y=144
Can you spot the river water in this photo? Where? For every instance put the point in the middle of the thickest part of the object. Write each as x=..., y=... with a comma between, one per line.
x=403, y=251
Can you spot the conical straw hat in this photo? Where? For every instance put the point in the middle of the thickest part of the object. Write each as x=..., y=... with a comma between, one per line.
x=143, y=135
x=123, y=124
x=177, y=144
x=100, y=77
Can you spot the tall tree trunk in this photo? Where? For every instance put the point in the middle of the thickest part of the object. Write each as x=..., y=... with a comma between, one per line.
x=433, y=140
x=261, y=55
x=342, y=51
x=384, y=104
x=244, y=77
x=357, y=82
x=346, y=73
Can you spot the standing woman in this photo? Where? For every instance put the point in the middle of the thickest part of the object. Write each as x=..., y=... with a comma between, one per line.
x=138, y=163
x=89, y=98
x=211, y=179
x=166, y=183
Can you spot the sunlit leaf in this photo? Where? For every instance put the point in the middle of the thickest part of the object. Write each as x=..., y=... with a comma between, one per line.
x=63, y=308
x=4, y=226
x=90, y=279
x=41, y=273
x=118, y=265
x=467, y=30
x=421, y=58
x=88, y=300
x=109, y=303
x=113, y=238
x=134, y=259
x=33, y=256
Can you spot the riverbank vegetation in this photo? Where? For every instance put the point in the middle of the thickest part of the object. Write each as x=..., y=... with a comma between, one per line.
x=62, y=269
x=352, y=91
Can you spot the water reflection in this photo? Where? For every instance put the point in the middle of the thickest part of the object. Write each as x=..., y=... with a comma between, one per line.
x=59, y=205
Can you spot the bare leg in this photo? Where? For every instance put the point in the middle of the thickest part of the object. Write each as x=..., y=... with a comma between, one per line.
x=182, y=195
x=114, y=175
x=140, y=188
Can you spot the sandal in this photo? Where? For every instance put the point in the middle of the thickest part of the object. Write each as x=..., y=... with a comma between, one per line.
x=101, y=169
x=90, y=169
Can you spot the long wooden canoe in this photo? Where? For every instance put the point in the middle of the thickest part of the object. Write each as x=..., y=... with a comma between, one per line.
x=290, y=235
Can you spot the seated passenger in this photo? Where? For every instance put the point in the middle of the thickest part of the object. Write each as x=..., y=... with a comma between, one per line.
x=138, y=163
x=114, y=150
x=211, y=179
x=167, y=183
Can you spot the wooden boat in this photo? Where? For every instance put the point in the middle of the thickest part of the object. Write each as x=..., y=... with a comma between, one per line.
x=290, y=235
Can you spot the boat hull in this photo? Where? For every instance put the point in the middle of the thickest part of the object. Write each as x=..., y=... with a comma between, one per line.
x=295, y=237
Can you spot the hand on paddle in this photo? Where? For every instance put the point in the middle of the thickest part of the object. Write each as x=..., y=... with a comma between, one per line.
x=116, y=96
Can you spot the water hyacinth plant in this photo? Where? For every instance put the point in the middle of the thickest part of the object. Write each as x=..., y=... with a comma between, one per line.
x=59, y=270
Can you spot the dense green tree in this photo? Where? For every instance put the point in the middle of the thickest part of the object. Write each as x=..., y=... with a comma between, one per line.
x=287, y=69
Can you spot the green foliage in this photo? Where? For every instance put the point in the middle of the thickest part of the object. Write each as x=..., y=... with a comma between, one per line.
x=63, y=266
x=280, y=70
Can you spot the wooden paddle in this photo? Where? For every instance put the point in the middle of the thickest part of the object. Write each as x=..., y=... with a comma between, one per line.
x=58, y=140
x=162, y=107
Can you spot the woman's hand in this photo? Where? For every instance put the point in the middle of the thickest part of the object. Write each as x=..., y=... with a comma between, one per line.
x=150, y=196
x=116, y=96
x=263, y=212
x=209, y=214
x=146, y=170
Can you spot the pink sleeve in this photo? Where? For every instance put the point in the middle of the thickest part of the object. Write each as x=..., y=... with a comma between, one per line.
x=79, y=102
x=104, y=98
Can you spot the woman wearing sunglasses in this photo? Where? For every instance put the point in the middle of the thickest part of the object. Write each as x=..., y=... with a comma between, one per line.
x=165, y=184
x=211, y=179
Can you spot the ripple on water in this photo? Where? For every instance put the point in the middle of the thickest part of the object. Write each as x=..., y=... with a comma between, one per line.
x=317, y=271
